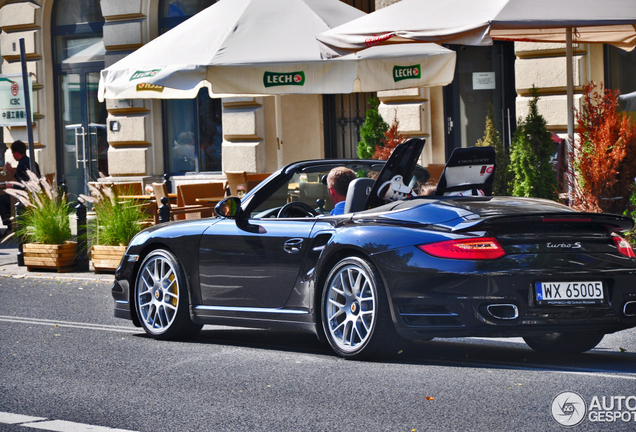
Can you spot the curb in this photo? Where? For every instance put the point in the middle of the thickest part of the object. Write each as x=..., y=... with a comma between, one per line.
x=9, y=268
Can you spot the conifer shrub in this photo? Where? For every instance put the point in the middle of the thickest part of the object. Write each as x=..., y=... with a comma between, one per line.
x=392, y=138
x=372, y=131
x=530, y=156
x=605, y=156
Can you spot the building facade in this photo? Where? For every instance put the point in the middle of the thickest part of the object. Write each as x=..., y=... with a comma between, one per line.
x=77, y=138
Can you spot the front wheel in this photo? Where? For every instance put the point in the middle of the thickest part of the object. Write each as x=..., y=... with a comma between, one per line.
x=558, y=344
x=161, y=298
x=355, y=311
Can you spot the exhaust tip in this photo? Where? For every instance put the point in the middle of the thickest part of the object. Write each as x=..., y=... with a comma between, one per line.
x=629, y=309
x=503, y=311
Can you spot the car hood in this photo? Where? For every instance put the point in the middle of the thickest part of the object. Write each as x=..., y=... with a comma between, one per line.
x=462, y=213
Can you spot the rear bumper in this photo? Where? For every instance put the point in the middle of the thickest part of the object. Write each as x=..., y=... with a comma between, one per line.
x=436, y=298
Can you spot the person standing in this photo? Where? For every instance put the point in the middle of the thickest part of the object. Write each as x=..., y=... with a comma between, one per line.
x=18, y=148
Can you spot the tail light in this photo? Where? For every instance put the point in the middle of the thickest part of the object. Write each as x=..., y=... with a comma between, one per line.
x=482, y=248
x=623, y=246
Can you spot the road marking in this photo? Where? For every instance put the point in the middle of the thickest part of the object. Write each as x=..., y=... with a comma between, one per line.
x=69, y=324
x=53, y=425
x=10, y=418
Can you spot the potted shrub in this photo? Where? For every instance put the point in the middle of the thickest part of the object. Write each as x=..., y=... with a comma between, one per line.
x=44, y=227
x=117, y=221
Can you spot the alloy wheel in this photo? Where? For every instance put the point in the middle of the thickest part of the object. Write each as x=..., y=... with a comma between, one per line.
x=350, y=309
x=158, y=294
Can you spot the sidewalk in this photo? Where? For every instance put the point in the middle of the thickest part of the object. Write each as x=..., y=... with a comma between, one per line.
x=9, y=268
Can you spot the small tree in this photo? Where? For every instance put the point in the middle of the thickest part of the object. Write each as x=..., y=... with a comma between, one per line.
x=605, y=159
x=372, y=131
x=392, y=138
x=492, y=138
x=532, y=147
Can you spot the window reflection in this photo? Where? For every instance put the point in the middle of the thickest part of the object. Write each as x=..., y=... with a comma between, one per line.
x=192, y=127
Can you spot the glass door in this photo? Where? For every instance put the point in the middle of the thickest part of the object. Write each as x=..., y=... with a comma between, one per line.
x=483, y=76
x=83, y=130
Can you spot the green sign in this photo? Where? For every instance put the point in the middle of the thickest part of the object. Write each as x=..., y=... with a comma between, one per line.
x=12, y=101
x=144, y=74
x=273, y=79
x=406, y=72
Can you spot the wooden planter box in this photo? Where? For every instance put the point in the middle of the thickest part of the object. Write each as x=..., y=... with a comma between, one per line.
x=106, y=258
x=50, y=257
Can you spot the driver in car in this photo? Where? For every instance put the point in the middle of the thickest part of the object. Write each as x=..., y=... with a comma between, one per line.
x=338, y=182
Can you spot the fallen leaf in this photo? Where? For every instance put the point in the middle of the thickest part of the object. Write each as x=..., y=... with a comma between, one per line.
x=622, y=349
x=430, y=398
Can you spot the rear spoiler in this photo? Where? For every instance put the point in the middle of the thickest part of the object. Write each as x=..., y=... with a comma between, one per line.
x=611, y=222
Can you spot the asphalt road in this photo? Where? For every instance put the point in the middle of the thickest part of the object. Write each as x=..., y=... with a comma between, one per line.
x=67, y=364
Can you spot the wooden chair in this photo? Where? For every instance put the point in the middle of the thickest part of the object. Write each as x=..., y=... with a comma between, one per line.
x=254, y=179
x=187, y=195
x=234, y=179
x=435, y=170
x=128, y=188
x=160, y=190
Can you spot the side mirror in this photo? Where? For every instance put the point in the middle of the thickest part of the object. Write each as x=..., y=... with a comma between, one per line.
x=228, y=208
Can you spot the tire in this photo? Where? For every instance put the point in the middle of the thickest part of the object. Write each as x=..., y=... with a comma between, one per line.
x=355, y=311
x=560, y=344
x=161, y=298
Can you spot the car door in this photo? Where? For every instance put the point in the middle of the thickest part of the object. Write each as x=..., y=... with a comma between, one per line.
x=256, y=268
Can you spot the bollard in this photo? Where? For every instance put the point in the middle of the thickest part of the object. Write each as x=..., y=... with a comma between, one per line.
x=168, y=182
x=82, y=251
x=164, y=210
x=63, y=186
x=19, y=211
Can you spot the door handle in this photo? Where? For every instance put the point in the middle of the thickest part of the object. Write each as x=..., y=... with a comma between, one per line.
x=293, y=246
x=83, y=135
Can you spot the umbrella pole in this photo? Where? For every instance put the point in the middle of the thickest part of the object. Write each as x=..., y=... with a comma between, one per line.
x=570, y=104
x=279, y=130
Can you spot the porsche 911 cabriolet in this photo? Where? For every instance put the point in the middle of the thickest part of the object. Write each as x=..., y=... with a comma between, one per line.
x=400, y=264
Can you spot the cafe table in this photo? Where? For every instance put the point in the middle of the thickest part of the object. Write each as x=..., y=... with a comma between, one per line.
x=210, y=200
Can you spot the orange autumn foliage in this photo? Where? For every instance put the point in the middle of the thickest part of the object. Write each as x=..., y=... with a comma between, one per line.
x=605, y=157
x=391, y=140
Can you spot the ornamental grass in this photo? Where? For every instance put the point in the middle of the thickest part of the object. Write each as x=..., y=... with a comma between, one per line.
x=117, y=220
x=46, y=216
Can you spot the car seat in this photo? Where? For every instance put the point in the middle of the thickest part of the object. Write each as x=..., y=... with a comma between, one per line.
x=357, y=194
x=469, y=171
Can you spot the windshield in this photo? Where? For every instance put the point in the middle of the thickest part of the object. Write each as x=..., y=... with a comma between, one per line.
x=308, y=186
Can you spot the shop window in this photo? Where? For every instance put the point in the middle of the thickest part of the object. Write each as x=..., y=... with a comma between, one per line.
x=192, y=127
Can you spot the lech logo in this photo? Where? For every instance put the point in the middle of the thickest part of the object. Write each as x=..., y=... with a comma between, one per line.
x=144, y=74
x=272, y=79
x=568, y=409
x=406, y=72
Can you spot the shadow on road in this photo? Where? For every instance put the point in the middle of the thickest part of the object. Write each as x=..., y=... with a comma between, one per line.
x=458, y=352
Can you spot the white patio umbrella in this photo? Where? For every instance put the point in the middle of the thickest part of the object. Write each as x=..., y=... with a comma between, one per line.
x=470, y=22
x=267, y=47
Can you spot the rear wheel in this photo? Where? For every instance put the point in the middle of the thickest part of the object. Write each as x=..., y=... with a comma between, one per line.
x=355, y=311
x=161, y=298
x=564, y=343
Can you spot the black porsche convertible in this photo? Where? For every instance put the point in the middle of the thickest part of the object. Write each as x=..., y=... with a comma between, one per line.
x=400, y=264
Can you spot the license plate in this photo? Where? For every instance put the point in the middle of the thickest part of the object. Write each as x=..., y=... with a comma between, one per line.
x=569, y=293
